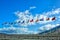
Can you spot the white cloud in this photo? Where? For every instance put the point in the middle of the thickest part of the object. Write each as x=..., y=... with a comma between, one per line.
x=48, y=27
x=32, y=7
x=27, y=12
x=53, y=12
x=8, y=28
x=17, y=30
x=32, y=32
x=24, y=29
x=57, y=24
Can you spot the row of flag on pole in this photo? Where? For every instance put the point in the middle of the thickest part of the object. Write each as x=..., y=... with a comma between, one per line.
x=32, y=20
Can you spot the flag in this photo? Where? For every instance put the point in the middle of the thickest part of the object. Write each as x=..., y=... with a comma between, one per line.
x=15, y=22
x=37, y=20
x=19, y=21
x=47, y=19
x=27, y=21
x=53, y=18
x=11, y=23
x=42, y=19
x=31, y=20
x=5, y=23
x=22, y=22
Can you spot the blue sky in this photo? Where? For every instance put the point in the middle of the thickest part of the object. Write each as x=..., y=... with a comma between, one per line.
x=9, y=7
